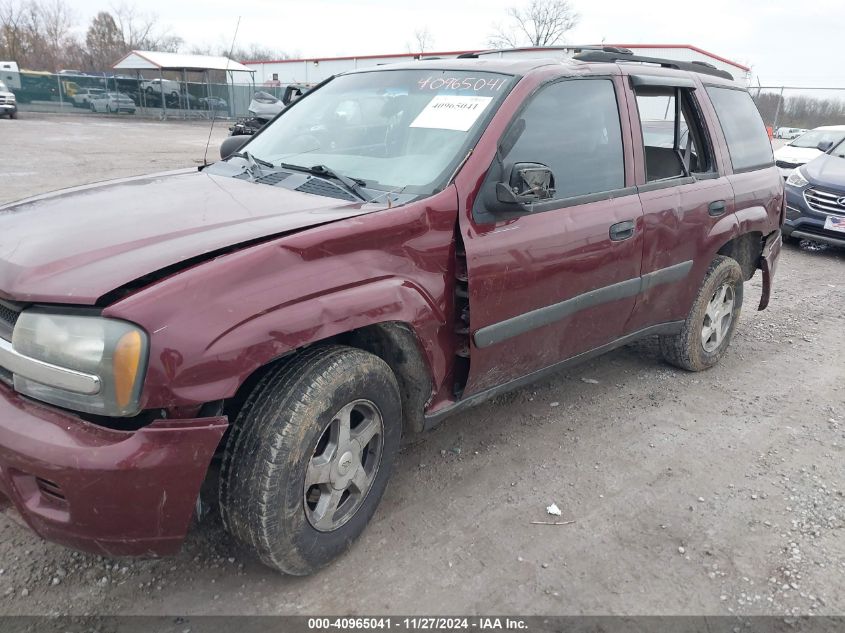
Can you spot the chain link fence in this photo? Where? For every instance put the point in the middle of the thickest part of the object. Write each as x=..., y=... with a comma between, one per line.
x=152, y=98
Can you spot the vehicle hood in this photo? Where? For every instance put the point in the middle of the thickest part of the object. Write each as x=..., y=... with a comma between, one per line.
x=266, y=110
x=826, y=171
x=6, y=93
x=75, y=245
x=798, y=155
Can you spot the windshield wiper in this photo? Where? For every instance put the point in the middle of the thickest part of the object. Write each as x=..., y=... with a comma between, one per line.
x=252, y=159
x=352, y=185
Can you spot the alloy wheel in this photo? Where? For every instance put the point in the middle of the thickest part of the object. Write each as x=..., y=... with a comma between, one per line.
x=718, y=317
x=343, y=465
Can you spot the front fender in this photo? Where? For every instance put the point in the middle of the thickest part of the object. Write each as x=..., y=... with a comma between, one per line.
x=211, y=326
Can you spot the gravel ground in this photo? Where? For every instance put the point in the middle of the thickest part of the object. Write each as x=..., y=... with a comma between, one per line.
x=711, y=493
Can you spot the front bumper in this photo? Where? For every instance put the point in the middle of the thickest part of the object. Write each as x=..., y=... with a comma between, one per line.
x=8, y=108
x=805, y=223
x=109, y=492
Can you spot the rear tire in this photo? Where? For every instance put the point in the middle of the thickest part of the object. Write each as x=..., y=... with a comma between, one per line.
x=294, y=485
x=709, y=327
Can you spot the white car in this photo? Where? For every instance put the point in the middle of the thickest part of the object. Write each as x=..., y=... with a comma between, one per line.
x=8, y=103
x=82, y=98
x=112, y=102
x=807, y=146
x=790, y=133
x=171, y=87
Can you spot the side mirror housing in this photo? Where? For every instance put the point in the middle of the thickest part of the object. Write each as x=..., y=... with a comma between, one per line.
x=528, y=183
x=233, y=144
x=531, y=182
x=824, y=146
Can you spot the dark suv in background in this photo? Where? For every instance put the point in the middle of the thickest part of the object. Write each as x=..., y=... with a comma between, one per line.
x=399, y=244
x=815, y=199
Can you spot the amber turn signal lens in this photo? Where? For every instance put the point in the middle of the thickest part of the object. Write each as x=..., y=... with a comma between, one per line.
x=127, y=359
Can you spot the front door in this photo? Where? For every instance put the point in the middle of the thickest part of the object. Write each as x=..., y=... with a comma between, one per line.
x=561, y=278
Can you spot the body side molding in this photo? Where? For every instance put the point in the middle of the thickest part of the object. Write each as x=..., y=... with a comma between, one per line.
x=522, y=323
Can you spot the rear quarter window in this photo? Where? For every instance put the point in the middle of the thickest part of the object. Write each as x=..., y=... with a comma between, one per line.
x=748, y=141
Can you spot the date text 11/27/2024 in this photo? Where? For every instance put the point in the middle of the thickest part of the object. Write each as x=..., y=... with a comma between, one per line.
x=418, y=623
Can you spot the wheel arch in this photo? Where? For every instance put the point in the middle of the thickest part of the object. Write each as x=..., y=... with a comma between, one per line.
x=746, y=250
x=395, y=342
x=740, y=237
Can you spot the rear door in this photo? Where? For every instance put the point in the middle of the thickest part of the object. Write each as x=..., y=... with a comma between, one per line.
x=683, y=192
x=558, y=280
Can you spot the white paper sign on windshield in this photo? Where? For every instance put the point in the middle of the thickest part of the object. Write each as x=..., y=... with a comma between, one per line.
x=451, y=112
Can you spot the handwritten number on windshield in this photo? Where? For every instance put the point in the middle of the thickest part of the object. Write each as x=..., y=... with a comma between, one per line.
x=462, y=83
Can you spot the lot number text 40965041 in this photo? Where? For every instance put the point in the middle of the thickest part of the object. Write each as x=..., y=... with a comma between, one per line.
x=419, y=623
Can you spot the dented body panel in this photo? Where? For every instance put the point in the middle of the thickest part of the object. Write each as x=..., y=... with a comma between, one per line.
x=265, y=301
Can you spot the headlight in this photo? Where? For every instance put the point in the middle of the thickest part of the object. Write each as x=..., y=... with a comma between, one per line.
x=796, y=179
x=113, y=351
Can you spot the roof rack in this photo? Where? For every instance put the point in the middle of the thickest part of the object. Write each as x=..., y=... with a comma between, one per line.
x=575, y=49
x=612, y=54
x=602, y=55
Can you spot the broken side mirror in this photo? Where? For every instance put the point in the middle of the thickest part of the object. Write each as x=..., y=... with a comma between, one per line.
x=232, y=145
x=528, y=183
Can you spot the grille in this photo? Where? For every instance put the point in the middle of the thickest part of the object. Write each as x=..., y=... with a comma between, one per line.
x=321, y=187
x=2, y=99
x=825, y=201
x=49, y=488
x=786, y=164
x=273, y=178
x=817, y=230
x=9, y=313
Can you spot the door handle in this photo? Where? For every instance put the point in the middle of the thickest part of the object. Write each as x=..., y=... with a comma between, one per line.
x=716, y=208
x=622, y=230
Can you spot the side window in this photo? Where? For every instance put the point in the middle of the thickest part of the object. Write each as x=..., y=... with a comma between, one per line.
x=674, y=140
x=748, y=141
x=573, y=128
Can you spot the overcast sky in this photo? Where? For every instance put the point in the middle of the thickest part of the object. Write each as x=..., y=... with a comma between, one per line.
x=785, y=42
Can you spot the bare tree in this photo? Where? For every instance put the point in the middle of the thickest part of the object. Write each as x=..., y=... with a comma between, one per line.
x=539, y=23
x=254, y=52
x=36, y=33
x=422, y=42
x=13, y=31
x=140, y=30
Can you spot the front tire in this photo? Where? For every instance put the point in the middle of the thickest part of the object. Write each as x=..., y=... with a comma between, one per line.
x=709, y=327
x=309, y=456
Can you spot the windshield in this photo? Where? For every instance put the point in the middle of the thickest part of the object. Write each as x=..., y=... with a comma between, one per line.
x=839, y=150
x=814, y=137
x=404, y=129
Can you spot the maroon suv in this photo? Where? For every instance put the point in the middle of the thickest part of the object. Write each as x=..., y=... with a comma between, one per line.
x=401, y=243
